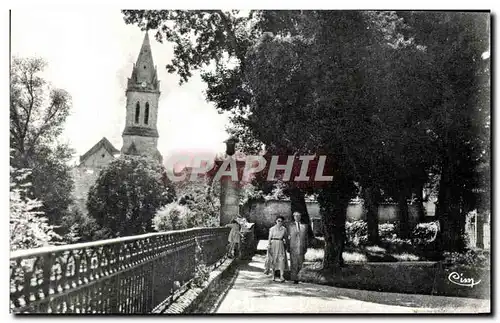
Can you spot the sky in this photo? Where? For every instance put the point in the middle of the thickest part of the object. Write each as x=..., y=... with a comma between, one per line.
x=90, y=54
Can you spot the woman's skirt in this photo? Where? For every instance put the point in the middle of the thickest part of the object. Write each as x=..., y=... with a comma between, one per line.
x=276, y=256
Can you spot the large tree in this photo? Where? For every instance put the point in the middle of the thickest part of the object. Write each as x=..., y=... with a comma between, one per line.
x=280, y=84
x=218, y=40
x=460, y=122
x=127, y=194
x=315, y=96
x=346, y=84
x=37, y=115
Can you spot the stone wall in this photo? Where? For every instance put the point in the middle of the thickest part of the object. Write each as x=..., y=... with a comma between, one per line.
x=144, y=145
x=264, y=213
x=98, y=160
x=84, y=178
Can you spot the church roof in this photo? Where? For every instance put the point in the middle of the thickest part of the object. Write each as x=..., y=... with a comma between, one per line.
x=104, y=142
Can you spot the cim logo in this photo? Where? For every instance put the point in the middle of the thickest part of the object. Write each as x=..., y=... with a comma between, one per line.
x=459, y=279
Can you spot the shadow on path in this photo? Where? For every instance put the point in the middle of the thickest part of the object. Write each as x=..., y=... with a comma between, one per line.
x=254, y=292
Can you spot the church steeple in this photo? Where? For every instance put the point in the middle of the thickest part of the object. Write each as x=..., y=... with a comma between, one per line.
x=144, y=75
x=140, y=136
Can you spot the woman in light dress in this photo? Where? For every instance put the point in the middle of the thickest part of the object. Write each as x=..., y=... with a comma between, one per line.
x=276, y=251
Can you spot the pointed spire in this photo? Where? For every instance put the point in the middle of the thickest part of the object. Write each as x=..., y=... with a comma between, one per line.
x=145, y=56
x=144, y=74
x=145, y=48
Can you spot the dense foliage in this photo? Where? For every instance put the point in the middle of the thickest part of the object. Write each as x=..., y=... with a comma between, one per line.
x=198, y=205
x=127, y=194
x=29, y=226
x=389, y=96
x=423, y=234
x=80, y=227
x=37, y=115
x=172, y=216
x=470, y=258
x=203, y=202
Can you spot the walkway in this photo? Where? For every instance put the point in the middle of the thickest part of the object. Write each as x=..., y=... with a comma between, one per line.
x=253, y=292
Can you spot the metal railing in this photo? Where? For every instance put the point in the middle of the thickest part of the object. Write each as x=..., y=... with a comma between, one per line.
x=125, y=275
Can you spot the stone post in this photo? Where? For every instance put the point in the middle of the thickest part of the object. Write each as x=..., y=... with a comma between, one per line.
x=229, y=200
x=230, y=189
x=230, y=203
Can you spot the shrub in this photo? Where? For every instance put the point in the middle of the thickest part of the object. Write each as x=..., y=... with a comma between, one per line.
x=470, y=258
x=171, y=217
x=78, y=226
x=249, y=192
x=356, y=232
x=29, y=227
x=387, y=231
x=424, y=233
x=203, y=202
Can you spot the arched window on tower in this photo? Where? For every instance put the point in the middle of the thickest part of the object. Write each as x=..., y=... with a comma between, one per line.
x=137, y=112
x=146, y=114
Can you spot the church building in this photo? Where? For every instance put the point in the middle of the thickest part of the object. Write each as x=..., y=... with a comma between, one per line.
x=140, y=136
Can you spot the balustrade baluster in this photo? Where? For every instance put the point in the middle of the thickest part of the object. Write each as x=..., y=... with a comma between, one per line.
x=135, y=278
x=152, y=285
x=47, y=268
x=125, y=295
x=118, y=267
x=30, y=285
x=124, y=275
x=131, y=294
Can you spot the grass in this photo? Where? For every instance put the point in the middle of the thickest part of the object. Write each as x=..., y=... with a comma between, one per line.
x=354, y=257
x=385, y=252
x=375, y=249
x=363, y=254
x=406, y=257
x=315, y=255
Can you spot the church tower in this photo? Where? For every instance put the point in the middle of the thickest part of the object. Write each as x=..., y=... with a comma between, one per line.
x=140, y=136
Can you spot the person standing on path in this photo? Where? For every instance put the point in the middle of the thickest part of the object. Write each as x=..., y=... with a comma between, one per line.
x=276, y=251
x=298, y=246
x=234, y=238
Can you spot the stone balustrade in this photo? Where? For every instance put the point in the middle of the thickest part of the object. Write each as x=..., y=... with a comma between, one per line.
x=124, y=275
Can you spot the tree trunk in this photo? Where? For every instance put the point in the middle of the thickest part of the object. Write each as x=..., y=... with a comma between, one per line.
x=333, y=202
x=298, y=203
x=448, y=212
x=480, y=230
x=371, y=205
x=404, y=226
x=420, y=204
